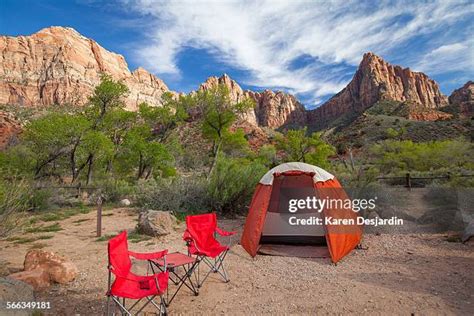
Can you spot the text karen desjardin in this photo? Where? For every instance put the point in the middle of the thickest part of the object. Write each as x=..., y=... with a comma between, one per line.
x=359, y=220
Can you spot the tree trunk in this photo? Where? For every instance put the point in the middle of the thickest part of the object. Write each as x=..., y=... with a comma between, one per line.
x=89, y=170
x=140, y=167
x=148, y=174
x=81, y=167
x=214, y=162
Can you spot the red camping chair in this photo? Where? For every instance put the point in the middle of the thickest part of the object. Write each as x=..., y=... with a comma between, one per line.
x=128, y=285
x=200, y=239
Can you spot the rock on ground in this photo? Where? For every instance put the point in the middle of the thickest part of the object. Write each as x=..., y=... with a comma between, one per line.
x=41, y=268
x=125, y=202
x=12, y=290
x=156, y=223
x=468, y=232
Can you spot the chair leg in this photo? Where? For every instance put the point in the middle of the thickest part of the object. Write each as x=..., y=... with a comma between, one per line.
x=108, y=293
x=163, y=310
x=108, y=305
x=123, y=310
x=215, y=266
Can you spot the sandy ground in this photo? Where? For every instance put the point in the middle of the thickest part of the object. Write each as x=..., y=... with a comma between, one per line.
x=397, y=274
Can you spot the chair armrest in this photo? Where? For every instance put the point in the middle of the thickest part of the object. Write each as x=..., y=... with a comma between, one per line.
x=149, y=255
x=187, y=236
x=224, y=233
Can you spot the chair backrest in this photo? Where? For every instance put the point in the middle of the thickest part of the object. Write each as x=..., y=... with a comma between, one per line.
x=201, y=229
x=119, y=259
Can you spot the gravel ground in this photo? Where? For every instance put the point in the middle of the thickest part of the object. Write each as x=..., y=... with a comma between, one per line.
x=398, y=274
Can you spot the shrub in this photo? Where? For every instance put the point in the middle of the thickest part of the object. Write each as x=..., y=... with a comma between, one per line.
x=179, y=194
x=14, y=200
x=114, y=190
x=232, y=184
x=41, y=199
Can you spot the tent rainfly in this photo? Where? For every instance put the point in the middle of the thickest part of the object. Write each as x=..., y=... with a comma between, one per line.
x=267, y=220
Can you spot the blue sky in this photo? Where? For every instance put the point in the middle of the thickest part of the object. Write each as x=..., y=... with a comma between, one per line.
x=308, y=48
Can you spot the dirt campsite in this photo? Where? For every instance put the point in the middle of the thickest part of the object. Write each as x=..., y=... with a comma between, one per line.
x=402, y=274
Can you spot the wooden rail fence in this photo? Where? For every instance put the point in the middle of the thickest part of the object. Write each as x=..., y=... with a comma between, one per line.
x=408, y=178
x=79, y=188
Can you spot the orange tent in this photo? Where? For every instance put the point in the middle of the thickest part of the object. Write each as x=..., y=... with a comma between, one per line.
x=300, y=178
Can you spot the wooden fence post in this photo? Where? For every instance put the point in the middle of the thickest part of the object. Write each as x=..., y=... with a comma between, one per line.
x=408, y=181
x=99, y=214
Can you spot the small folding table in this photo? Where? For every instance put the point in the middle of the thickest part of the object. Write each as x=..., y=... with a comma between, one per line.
x=174, y=261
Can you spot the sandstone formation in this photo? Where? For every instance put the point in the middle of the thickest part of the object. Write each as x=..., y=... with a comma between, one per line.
x=463, y=99
x=431, y=115
x=57, y=65
x=416, y=112
x=9, y=128
x=272, y=109
x=41, y=268
x=463, y=94
x=377, y=80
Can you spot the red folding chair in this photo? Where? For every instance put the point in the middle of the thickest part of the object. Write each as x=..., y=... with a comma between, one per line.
x=127, y=285
x=200, y=238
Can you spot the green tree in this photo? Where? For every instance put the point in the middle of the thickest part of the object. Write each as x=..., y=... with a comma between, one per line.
x=97, y=147
x=393, y=156
x=218, y=113
x=109, y=94
x=147, y=154
x=296, y=146
x=117, y=123
x=52, y=137
x=267, y=155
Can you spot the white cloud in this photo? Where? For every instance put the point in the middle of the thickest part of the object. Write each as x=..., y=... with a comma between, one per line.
x=265, y=37
x=456, y=57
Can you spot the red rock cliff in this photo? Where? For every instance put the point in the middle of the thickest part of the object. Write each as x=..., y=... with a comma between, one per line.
x=377, y=80
x=58, y=65
x=272, y=109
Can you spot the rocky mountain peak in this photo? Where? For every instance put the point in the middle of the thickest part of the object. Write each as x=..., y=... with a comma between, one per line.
x=462, y=99
x=272, y=108
x=463, y=94
x=58, y=65
x=376, y=80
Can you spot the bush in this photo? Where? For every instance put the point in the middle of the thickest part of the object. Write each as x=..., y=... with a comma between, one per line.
x=179, y=194
x=41, y=199
x=232, y=184
x=114, y=190
x=14, y=200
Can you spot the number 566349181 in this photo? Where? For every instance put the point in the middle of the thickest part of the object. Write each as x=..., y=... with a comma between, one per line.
x=28, y=305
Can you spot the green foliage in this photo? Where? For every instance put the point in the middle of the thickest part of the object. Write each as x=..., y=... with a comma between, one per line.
x=232, y=183
x=18, y=160
x=179, y=194
x=218, y=113
x=107, y=95
x=40, y=199
x=45, y=229
x=396, y=156
x=298, y=147
x=49, y=139
x=140, y=150
x=14, y=200
x=267, y=156
x=115, y=190
x=391, y=133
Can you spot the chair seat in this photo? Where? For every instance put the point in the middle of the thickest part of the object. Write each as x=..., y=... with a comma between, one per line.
x=136, y=287
x=211, y=252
